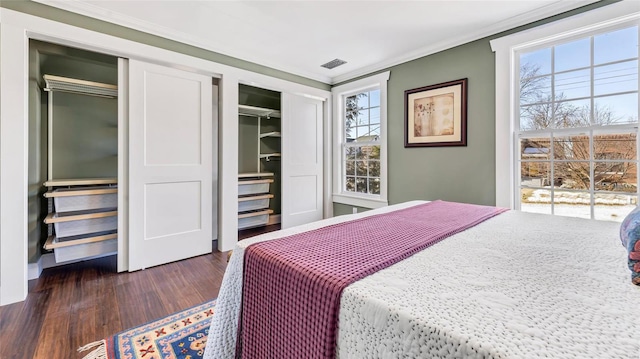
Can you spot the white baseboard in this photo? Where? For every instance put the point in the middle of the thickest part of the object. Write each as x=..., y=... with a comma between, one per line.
x=48, y=260
x=35, y=269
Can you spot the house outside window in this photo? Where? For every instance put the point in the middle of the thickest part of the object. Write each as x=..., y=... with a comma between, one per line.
x=573, y=119
x=360, y=142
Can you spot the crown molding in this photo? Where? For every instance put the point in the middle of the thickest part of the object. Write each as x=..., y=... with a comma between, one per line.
x=97, y=12
x=508, y=24
x=87, y=9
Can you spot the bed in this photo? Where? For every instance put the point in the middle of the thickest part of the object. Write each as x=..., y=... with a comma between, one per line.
x=518, y=285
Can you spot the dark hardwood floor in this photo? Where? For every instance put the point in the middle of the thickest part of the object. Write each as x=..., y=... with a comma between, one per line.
x=72, y=305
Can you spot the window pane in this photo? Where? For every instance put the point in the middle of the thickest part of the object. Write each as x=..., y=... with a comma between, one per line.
x=363, y=100
x=572, y=204
x=615, y=176
x=374, y=114
x=613, y=207
x=350, y=153
x=361, y=185
x=374, y=98
x=536, y=117
x=595, y=83
x=350, y=168
x=571, y=175
x=572, y=55
x=615, y=146
x=350, y=133
x=363, y=117
x=571, y=148
x=616, y=45
x=573, y=84
x=361, y=168
x=374, y=152
x=360, y=154
x=375, y=132
x=572, y=114
x=535, y=148
x=534, y=89
x=535, y=200
x=616, y=109
x=374, y=168
x=535, y=174
x=350, y=184
x=374, y=185
x=351, y=114
x=620, y=77
x=539, y=60
x=362, y=131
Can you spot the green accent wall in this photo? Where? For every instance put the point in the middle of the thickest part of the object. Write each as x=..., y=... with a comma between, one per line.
x=340, y=209
x=462, y=174
x=85, y=22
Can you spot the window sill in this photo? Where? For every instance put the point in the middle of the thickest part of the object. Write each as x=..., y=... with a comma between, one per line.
x=360, y=201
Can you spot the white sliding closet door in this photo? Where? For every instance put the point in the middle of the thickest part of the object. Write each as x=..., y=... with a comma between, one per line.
x=170, y=164
x=301, y=160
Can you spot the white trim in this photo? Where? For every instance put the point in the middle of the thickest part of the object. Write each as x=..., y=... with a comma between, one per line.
x=48, y=260
x=529, y=17
x=35, y=269
x=87, y=9
x=13, y=162
x=328, y=159
x=506, y=106
x=379, y=81
x=16, y=29
x=123, y=165
x=203, y=42
x=359, y=201
x=228, y=163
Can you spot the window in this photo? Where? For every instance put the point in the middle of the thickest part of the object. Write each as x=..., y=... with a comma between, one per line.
x=360, y=142
x=572, y=120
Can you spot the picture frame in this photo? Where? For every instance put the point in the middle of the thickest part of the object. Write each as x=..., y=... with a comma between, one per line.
x=436, y=115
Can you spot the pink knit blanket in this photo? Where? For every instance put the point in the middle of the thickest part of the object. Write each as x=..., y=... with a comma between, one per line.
x=292, y=285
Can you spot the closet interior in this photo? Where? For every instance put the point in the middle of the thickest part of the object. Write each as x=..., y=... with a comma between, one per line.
x=259, y=154
x=73, y=152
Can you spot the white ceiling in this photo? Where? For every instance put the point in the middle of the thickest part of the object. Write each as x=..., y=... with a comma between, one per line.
x=299, y=36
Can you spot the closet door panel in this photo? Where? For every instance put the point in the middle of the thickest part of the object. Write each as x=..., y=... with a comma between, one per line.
x=170, y=165
x=301, y=160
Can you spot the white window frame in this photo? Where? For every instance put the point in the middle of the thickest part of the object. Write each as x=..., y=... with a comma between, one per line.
x=339, y=93
x=507, y=50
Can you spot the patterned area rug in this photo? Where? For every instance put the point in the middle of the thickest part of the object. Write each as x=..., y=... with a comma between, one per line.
x=182, y=335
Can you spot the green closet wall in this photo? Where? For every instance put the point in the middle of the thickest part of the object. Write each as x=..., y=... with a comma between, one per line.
x=85, y=127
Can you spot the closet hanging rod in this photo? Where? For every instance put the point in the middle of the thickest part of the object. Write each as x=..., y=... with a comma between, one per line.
x=65, y=84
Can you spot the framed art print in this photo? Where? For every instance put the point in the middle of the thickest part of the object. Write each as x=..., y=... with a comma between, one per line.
x=436, y=115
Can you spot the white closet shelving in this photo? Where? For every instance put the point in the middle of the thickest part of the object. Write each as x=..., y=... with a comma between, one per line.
x=253, y=188
x=83, y=212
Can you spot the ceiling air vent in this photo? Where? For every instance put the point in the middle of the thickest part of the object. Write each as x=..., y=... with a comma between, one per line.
x=334, y=63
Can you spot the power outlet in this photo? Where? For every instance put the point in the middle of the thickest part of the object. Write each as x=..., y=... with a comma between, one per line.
x=355, y=210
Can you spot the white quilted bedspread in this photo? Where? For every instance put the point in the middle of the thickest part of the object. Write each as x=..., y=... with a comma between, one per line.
x=519, y=285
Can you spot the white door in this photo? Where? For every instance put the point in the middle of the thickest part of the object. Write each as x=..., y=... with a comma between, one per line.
x=301, y=160
x=170, y=164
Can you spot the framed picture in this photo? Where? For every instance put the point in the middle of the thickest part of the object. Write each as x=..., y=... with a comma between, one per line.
x=436, y=115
